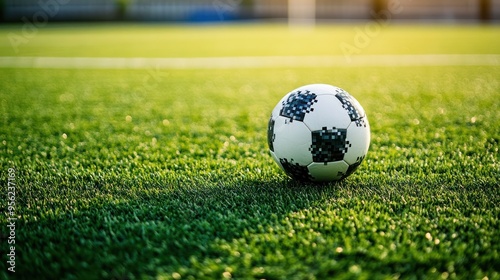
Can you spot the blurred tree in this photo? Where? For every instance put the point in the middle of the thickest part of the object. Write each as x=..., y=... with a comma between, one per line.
x=378, y=8
x=121, y=9
x=247, y=8
x=485, y=10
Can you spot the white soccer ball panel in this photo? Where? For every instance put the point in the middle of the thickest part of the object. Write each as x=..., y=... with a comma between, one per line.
x=358, y=137
x=276, y=159
x=320, y=89
x=332, y=171
x=292, y=140
x=328, y=112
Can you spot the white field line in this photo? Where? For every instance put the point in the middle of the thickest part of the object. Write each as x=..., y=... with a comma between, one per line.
x=249, y=61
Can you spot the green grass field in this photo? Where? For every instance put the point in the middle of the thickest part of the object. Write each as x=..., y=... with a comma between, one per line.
x=162, y=173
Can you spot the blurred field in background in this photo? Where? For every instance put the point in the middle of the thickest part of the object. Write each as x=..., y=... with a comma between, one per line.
x=135, y=40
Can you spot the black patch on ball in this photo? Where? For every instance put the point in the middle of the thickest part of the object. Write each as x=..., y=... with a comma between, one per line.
x=353, y=167
x=298, y=104
x=296, y=171
x=270, y=134
x=329, y=144
x=360, y=122
x=351, y=108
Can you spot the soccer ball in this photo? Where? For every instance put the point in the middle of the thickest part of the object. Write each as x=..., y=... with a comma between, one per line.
x=318, y=133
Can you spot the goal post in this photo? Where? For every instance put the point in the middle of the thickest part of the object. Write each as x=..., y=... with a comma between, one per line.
x=301, y=12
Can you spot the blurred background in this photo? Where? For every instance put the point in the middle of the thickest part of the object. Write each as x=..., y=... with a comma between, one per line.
x=300, y=11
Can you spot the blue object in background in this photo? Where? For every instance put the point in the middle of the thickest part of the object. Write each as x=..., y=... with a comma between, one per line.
x=211, y=14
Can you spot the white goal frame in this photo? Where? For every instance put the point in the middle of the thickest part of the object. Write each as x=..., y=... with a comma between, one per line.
x=301, y=12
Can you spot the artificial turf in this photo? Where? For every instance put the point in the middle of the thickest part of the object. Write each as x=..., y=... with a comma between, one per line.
x=138, y=174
